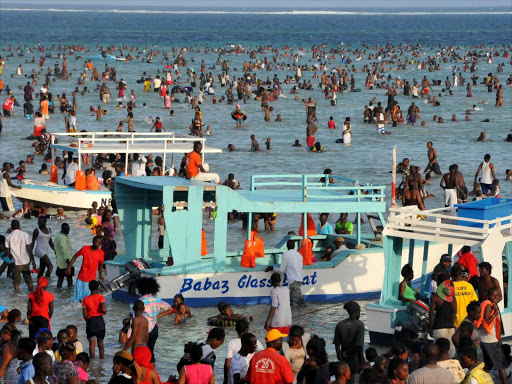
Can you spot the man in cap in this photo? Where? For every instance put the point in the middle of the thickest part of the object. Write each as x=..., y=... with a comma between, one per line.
x=443, y=310
x=268, y=366
x=339, y=243
x=444, y=266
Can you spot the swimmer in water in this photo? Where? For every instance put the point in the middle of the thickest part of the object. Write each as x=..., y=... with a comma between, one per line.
x=482, y=137
x=254, y=144
x=297, y=143
x=267, y=143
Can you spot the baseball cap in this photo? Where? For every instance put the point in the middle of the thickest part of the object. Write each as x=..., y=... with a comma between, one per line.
x=274, y=334
x=446, y=291
x=2, y=308
x=446, y=258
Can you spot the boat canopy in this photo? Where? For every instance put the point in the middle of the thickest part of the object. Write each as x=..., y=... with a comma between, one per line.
x=128, y=143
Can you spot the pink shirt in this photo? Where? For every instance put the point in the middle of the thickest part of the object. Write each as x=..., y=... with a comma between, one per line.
x=198, y=373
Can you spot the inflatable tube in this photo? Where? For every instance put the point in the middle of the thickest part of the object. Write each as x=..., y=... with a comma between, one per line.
x=188, y=89
x=244, y=115
x=177, y=89
x=221, y=323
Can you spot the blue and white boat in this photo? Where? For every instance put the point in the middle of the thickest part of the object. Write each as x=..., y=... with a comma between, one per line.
x=92, y=143
x=218, y=276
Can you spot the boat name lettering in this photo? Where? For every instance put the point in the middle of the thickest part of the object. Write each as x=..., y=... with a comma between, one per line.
x=245, y=281
x=189, y=284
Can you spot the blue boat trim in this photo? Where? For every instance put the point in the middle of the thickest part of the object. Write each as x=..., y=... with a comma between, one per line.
x=251, y=300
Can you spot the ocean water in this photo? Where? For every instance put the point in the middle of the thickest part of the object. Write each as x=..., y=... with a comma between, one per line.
x=368, y=159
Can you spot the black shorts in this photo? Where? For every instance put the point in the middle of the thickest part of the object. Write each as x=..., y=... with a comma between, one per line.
x=7, y=112
x=36, y=323
x=95, y=328
x=62, y=272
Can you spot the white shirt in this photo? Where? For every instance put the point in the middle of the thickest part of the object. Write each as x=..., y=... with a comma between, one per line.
x=342, y=247
x=157, y=83
x=5, y=191
x=232, y=351
x=139, y=166
x=17, y=243
x=239, y=364
x=291, y=264
x=71, y=173
x=280, y=297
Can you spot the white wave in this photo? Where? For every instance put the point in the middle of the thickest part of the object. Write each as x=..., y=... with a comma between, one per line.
x=294, y=12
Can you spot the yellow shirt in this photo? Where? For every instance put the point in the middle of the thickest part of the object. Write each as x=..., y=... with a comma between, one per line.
x=464, y=294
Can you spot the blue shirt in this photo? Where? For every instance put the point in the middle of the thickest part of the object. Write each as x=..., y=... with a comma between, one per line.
x=326, y=229
x=27, y=371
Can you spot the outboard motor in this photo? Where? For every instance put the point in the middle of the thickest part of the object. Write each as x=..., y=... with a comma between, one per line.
x=133, y=272
x=418, y=318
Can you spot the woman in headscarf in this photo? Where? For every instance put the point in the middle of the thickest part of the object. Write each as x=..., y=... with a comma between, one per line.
x=142, y=356
x=125, y=369
x=40, y=307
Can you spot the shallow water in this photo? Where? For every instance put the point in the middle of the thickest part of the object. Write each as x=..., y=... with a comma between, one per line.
x=368, y=159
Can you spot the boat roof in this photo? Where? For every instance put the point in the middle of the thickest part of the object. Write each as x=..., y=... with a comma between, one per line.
x=127, y=142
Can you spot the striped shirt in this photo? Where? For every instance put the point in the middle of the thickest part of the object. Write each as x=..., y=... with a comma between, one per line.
x=152, y=307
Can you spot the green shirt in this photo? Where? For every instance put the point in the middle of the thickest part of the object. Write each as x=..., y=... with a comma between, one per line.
x=63, y=250
x=349, y=227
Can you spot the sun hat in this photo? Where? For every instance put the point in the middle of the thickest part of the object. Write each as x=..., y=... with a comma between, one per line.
x=446, y=291
x=273, y=335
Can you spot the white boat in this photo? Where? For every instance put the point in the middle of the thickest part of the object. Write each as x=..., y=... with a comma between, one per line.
x=92, y=143
x=219, y=276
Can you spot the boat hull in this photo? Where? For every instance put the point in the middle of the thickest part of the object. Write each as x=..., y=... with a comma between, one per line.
x=55, y=195
x=359, y=275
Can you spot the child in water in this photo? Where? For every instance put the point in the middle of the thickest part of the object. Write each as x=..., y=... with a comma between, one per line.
x=226, y=313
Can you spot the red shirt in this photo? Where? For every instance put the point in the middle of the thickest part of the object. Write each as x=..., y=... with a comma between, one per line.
x=192, y=163
x=8, y=104
x=269, y=367
x=90, y=263
x=331, y=124
x=93, y=305
x=40, y=308
x=470, y=263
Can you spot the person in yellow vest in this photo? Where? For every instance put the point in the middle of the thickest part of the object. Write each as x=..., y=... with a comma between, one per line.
x=490, y=334
x=476, y=373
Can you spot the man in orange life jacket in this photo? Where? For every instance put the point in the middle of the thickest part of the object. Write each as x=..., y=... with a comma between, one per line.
x=291, y=264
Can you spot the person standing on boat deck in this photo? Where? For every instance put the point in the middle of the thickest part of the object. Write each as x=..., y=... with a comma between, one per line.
x=349, y=339
x=69, y=175
x=5, y=189
x=154, y=308
x=41, y=240
x=18, y=246
x=280, y=314
x=139, y=165
x=324, y=228
x=443, y=267
x=92, y=261
x=291, y=265
x=194, y=167
x=488, y=175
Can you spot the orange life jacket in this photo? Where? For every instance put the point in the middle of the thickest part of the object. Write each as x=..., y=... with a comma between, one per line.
x=311, y=226
x=80, y=183
x=91, y=182
x=253, y=248
x=306, y=250
x=204, y=244
x=495, y=322
x=54, y=174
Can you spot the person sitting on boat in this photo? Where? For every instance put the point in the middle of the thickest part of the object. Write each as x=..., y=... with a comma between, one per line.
x=324, y=228
x=406, y=292
x=194, y=168
x=339, y=243
x=343, y=225
x=69, y=175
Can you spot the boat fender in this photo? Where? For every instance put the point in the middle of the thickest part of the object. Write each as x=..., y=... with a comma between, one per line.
x=253, y=248
x=80, y=183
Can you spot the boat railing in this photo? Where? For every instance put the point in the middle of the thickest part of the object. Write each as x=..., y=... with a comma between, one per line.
x=310, y=183
x=87, y=138
x=442, y=225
